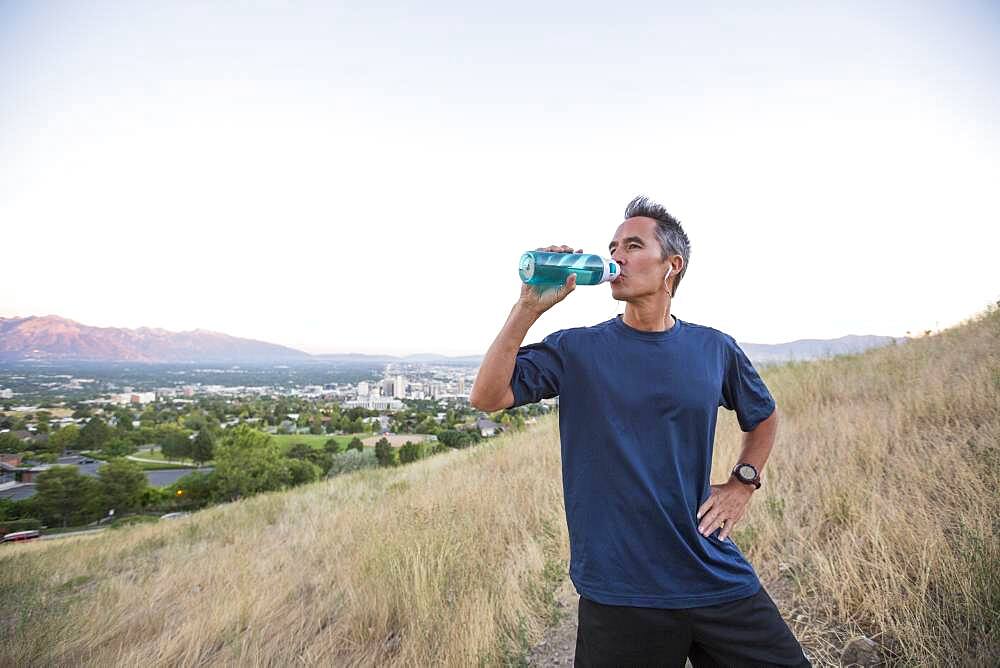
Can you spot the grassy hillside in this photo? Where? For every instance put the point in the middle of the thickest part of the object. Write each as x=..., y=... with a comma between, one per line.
x=879, y=515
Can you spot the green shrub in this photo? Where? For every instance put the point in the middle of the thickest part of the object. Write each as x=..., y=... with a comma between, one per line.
x=352, y=460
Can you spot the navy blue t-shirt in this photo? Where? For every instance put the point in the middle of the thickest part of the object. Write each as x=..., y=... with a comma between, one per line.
x=637, y=414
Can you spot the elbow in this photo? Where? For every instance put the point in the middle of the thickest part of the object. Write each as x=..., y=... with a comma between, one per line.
x=476, y=400
x=485, y=404
x=480, y=404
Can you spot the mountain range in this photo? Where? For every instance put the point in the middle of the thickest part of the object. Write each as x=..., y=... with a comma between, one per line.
x=53, y=338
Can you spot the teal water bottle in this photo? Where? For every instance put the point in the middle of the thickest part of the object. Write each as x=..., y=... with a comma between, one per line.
x=543, y=268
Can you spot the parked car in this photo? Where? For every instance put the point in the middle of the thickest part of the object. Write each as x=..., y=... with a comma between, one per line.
x=20, y=535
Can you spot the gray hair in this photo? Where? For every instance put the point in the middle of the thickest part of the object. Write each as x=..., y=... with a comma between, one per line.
x=673, y=240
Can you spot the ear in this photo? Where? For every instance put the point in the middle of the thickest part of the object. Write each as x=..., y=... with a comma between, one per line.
x=675, y=263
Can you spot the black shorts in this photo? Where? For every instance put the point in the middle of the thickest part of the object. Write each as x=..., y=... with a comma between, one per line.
x=746, y=632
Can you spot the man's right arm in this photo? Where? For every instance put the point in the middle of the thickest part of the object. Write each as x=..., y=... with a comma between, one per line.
x=491, y=391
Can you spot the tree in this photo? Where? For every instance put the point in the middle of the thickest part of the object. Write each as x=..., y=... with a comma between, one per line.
x=299, y=451
x=427, y=426
x=302, y=471
x=123, y=484
x=63, y=495
x=194, y=490
x=384, y=453
x=333, y=446
x=174, y=441
x=203, y=447
x=64, y=439
x=118, y=447
x=324, y=460
x=123, y=420
x=144, y=435
x=410, y=452
x=94, y=435
x=148, y=417
x=455, y=439
x=11, y=443
x=195, y=421
x=247, y=462
x=356, y=444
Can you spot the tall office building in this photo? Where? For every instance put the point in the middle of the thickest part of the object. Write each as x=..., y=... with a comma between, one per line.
x=399, y=387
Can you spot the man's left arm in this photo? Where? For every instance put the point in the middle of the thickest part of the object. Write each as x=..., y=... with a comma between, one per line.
x=727, y=502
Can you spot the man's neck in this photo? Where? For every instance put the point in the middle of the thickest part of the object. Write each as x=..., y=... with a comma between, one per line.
x=649, y=318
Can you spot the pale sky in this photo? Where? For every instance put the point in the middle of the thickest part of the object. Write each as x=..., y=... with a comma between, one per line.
x=340, y=178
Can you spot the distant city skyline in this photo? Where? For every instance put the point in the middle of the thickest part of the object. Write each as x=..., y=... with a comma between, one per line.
x=351, y=179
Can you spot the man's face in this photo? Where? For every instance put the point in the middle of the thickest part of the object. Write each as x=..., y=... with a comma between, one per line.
x=637, y=252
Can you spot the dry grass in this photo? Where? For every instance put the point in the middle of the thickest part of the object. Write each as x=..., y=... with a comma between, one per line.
x=451, y=560
x=879, y=515
x=880, y=512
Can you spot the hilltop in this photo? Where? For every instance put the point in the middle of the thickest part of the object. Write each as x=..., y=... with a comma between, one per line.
x=878, y=517
x=54, y=338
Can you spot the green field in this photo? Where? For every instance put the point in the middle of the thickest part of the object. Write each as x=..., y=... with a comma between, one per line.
x=145, y=466
x=156, y=454
x=315, y=441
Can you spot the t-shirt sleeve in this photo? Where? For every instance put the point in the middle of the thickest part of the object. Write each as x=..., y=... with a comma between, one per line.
x=743, y=390
x=538, y=370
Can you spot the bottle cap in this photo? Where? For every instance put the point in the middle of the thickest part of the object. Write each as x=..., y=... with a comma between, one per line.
x=611, y=270
x=526, y=267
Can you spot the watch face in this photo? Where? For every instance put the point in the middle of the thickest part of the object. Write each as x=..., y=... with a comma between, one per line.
x=747, y=472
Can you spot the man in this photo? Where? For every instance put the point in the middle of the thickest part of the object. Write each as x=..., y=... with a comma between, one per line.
x=659, y=577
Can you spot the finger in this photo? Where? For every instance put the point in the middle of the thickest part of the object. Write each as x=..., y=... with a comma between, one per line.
x=708, y=521
x=724, y=534
x=716, y=524
x=709, y=502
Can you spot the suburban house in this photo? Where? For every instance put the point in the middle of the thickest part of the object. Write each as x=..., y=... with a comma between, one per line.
x=487, y=427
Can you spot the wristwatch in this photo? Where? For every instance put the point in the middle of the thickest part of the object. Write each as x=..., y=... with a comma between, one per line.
x=747, y=474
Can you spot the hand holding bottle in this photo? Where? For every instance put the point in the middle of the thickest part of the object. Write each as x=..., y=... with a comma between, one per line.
x=540, y=298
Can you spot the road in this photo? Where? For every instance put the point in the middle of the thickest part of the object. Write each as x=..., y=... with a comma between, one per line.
x=71, y=533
